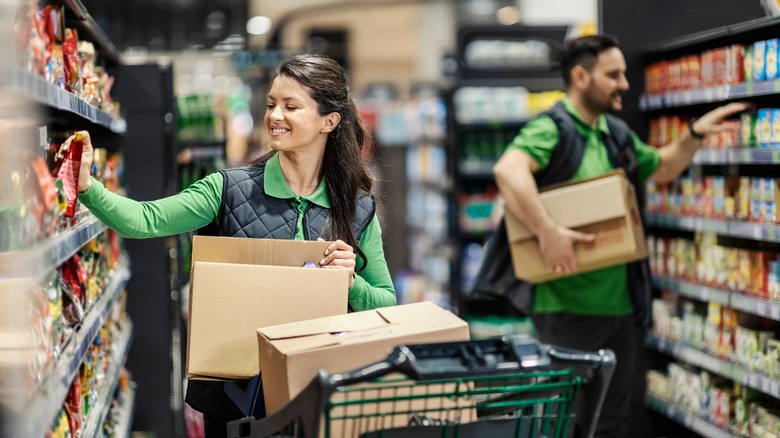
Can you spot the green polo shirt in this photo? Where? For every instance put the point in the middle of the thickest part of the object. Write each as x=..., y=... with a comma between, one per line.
x=199, y=204
x=598, y=293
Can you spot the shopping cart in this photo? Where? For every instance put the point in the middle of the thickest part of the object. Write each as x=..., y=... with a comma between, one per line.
x=510, y=386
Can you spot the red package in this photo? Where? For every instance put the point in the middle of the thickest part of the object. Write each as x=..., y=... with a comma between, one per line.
x=76, y=276
x=69, y=174
x=46, y=183
x=71, y=59
x=54, y=20
x=74, y=404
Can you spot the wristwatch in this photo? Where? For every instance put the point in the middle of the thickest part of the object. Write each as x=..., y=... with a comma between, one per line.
x=693, y=133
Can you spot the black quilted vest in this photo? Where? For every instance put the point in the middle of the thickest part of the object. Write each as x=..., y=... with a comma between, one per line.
x=247, y=211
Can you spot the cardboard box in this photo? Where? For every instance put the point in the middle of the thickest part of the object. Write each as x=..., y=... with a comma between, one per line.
x=238, y=285
x=604, y=206
x=291, y=354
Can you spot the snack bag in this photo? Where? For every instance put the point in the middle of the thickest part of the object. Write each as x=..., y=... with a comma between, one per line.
x=71, y=60
x=68, y=173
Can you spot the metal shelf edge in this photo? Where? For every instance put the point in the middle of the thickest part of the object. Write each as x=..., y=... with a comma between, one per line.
x=43, y=92
x=695, y=290
x=46, y=256
x=746, y=230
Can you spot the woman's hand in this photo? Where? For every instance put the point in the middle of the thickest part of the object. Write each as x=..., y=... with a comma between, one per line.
x=342, y=256
x=85, y=179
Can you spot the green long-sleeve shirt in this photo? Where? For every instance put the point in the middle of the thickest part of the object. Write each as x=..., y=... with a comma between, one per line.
x=199, y=204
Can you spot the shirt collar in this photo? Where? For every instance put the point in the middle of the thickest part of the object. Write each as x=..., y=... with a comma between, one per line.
x=601, y=122
x=275, y=185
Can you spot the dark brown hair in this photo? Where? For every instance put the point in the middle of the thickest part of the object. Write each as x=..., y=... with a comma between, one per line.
x=343, y=166
x=584, y=51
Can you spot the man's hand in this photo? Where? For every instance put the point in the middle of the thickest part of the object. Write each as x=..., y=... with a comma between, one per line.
x=557, y=247
x=712, y=122
x=85, y=179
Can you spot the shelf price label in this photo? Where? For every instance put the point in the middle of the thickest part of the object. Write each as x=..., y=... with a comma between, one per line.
x=775, y=156
x=771, y=233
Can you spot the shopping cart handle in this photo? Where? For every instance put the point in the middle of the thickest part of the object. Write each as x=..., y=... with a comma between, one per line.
x=469, y=358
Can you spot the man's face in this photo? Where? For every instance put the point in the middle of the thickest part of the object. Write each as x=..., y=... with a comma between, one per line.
x=607, y=82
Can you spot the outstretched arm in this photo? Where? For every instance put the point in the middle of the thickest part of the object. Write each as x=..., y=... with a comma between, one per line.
x=195, y=207
x=676, y=156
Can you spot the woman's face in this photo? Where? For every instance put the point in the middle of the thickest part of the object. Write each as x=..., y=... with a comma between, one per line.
x=291, y=117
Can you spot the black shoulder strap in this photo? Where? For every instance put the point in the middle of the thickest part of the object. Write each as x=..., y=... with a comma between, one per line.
x=621, y=149
x=567, y=155
x=622, y=153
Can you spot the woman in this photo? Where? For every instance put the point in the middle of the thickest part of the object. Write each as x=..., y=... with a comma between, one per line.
x=313, y=184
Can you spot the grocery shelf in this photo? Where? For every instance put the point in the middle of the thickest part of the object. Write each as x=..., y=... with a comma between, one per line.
x=38, y=89
x=756, y=306
x=46, y=403
x=676, y=99
x=730, y=370
x=743, y=230
x=46, y=256
x=738, y=156
x=687, y=419
x=94, y=34
x=125, y=417
x=694, y=290
x=93, y=426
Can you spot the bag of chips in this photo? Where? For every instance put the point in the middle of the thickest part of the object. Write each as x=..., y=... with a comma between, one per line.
x=68, y=173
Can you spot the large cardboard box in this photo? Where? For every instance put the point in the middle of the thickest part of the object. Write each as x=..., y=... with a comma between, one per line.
x=238, y=285
x=604, y=206
x=291, y=354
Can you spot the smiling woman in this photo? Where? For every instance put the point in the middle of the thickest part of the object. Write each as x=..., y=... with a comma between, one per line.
x=313, y=184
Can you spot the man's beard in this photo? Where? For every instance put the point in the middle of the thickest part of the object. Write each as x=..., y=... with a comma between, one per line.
x=599, y=106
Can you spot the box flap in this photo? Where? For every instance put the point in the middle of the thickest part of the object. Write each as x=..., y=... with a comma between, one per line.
x=334, y=324
x=578, y=204
x=360, y=327
x=421, y=314
x=248, y=251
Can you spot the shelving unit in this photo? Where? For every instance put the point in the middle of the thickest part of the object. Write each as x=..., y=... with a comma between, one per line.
x=36, y=409
x=742, y=161
x=687, y=419
x=479, y=137
x=46, y=403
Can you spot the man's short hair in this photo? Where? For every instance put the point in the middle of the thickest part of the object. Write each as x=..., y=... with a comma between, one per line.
x=584, y=51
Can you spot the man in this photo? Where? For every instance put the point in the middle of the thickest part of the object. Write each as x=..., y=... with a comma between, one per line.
x=593, y=310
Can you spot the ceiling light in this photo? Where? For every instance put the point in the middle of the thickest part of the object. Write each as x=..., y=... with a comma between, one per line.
x=508, y=15
x=258, y=25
